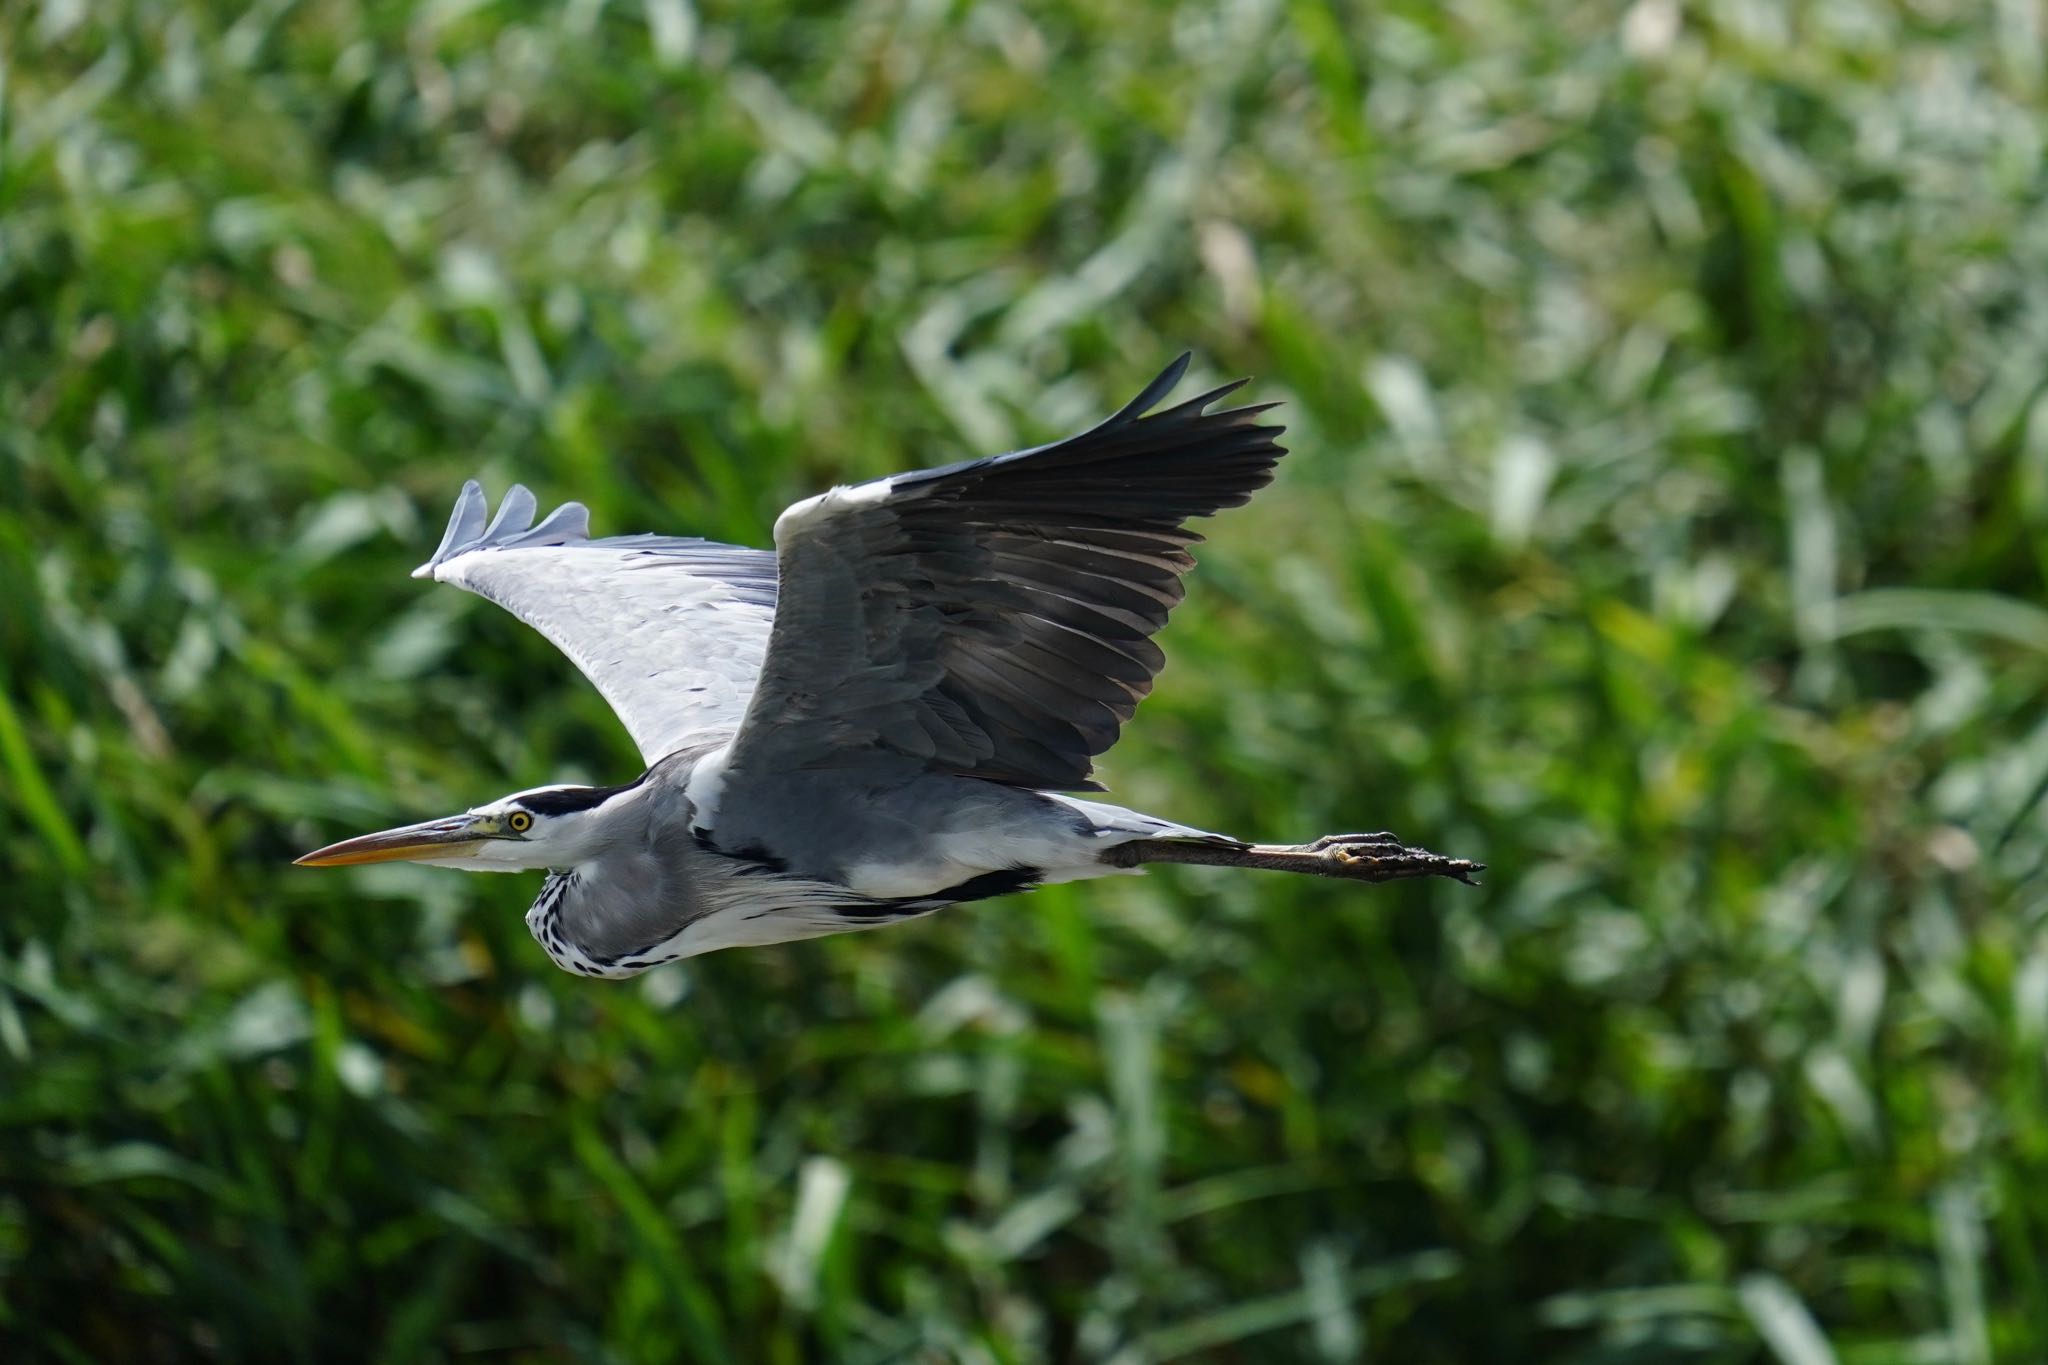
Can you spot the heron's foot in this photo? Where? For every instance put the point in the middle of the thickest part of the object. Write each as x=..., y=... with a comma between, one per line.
x=1382, y=857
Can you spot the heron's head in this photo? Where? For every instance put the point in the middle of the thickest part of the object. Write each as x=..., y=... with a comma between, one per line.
x=555, y=827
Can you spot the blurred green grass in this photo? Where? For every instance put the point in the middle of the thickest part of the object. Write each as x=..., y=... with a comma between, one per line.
x=1665, y=526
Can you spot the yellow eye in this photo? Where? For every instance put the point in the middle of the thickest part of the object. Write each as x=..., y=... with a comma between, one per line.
x=519, y=822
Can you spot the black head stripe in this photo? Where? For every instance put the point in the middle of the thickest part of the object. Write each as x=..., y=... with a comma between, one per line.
x=570, y=799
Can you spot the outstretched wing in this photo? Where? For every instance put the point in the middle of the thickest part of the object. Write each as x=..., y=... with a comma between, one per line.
x=672, y=630
x=994, y=618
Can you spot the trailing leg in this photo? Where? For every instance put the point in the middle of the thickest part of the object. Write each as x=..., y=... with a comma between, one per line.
x=1378, y=857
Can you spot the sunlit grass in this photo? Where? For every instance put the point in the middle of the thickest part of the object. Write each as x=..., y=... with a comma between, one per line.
x=1665, y=527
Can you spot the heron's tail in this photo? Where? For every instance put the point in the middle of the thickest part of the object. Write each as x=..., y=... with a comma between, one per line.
x=1378, y=857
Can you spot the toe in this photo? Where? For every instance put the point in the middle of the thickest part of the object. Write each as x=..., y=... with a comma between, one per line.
x=1380, y=839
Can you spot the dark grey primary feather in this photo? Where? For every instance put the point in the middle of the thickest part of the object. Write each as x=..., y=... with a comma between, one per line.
x=993, y=618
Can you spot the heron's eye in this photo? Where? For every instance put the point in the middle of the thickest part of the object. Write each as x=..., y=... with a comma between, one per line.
x=519, y=822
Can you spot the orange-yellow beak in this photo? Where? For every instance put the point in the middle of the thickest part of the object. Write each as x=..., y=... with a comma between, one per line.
x=457, y=836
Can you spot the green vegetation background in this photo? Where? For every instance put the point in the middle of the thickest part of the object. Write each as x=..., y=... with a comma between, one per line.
x=1666, y=526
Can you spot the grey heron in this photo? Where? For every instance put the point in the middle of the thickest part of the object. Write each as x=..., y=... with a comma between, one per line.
x=887, y=714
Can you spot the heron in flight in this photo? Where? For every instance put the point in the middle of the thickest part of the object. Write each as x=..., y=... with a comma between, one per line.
x=885, y=715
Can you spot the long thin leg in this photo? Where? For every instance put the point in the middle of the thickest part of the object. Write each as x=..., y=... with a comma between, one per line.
x=1378, y=857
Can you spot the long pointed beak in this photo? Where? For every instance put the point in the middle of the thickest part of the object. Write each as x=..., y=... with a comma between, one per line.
x=457, y=836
